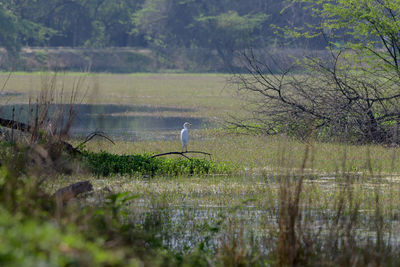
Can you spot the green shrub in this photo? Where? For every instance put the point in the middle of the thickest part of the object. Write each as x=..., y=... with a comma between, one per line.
x=31, y=242
x=105, y=164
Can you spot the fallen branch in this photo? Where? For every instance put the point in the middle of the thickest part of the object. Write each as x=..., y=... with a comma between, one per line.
x=181, y=153
x=92, y=135
x=15, y=125
x=69, y=192
x=23, y=127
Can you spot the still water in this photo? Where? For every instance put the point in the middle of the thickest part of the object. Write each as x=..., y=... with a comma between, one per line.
x=124, y=122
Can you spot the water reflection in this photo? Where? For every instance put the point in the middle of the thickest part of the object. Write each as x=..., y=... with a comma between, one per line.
x=121, y=121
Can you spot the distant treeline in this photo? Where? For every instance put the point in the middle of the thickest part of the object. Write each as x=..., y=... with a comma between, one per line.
x=128, y=60
x=220, y=27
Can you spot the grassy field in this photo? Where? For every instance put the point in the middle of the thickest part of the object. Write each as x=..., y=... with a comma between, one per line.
x=204, y=95
x=283, y=202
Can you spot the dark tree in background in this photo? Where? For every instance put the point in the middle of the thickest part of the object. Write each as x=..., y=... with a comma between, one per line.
x=221, y=27
x=8, y=31
x=16, y=30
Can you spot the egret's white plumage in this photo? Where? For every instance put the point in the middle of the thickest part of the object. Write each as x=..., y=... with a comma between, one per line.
x=185, y=135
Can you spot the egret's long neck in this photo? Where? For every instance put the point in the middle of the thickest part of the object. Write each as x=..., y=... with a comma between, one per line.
x=185, y=127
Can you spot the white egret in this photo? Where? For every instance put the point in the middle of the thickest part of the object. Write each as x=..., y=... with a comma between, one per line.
x=185, y=135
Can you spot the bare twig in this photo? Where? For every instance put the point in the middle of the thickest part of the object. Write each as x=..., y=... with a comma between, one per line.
x=170, y=153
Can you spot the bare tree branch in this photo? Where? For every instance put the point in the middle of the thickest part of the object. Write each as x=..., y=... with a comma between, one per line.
x=327, y=94
x=181, y=154
x=92, y=135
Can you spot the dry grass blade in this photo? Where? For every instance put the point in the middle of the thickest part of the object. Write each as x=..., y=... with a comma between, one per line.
x=6, y=81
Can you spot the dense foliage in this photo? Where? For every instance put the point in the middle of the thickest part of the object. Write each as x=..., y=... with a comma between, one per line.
x=222, y=26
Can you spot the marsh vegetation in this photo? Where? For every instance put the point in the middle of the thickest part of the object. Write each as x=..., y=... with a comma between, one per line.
x=293, y=159
x=261, y=200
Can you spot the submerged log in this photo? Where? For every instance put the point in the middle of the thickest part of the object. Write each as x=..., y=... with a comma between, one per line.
x=69, y=192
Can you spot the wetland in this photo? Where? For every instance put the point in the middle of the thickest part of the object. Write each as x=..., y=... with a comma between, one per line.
x=258, y=199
